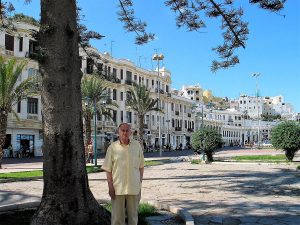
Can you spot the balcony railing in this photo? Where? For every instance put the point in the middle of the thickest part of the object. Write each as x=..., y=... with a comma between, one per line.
x=129, y=82
x=190, y=130
x=32, y=117
x=8, y=52
x=177, y=113
x=178, y=128
x=189, y=115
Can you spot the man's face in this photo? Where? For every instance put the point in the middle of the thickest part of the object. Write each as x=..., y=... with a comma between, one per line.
x=124, y=132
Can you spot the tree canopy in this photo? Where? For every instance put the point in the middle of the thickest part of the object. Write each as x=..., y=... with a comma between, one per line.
x=286, y=136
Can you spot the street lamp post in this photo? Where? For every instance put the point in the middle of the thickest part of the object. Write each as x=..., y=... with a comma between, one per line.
x=95, y=132
x=158, y=58
x=256, y=75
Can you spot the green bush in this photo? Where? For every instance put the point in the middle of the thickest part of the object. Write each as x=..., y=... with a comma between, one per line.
x=207, y=140
x=286, y=136
x=195, y=161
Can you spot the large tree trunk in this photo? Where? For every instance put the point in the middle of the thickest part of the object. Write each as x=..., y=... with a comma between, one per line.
x=67, y=198
x=141, y=129
x=88, y=129
x=88, y=132
x=3, y=126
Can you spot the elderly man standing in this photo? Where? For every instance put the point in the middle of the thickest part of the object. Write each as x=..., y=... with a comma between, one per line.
x=124, y=166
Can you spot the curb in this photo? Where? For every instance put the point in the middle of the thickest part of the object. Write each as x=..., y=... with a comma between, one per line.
x=183, y=213
x=18, y=206
x=10, y=180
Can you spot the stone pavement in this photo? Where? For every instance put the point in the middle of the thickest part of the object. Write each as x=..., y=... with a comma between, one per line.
x=217, y=193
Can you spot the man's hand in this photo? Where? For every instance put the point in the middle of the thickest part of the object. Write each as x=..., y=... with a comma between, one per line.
x=140, y=195
x=111, y=189
x=112, y=193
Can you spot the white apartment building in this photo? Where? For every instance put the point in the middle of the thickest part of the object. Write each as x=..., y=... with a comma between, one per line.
x=233, y=125
x=250, y=105
x=193, y=92
x=27, y=130
x=256, y=106
x=175, y=123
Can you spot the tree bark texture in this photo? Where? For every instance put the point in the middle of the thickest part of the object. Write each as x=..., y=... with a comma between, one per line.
x=3, y=126
x=141, y=129
x=67, y=198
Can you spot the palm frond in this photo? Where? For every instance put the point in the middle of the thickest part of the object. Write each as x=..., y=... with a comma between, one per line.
x=11, y=91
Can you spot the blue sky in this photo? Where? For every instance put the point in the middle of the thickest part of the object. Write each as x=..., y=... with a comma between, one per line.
x=273, y=47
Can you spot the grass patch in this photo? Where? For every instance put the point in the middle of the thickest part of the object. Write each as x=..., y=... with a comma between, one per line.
x=153, y=163
x=93, y=169
x=22, y=175
x=268, y=158
x=145, y=210
x=39, y=173
x=195, y=161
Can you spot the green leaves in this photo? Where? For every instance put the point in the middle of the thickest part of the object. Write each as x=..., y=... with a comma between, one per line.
x=11, y=90
x=140, y=100
x=286, y=136
x=207, y=140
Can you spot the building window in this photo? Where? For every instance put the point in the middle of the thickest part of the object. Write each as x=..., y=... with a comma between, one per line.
x=114, y=72
x=9, y=42
x=114, y=94
x=121, y=74
x=19, y=107
x=129, y=117
x=114, y=116
x=32, y=106
x=121, y=116
x=21, y=44
x=121, y=95
x=89, y=66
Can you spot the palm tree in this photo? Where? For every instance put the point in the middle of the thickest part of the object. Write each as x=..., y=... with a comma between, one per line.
x=141, y=103
x=93, y=91
x=11, y=92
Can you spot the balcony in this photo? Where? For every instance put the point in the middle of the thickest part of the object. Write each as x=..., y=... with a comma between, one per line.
x=169, y=95
x=161, y=91
x=129, y=82
x=178, y=128
x=177, y=113
x=8, y=52
x=190, y=130
x=32, y=117
x=145, y=126
x=189, y=115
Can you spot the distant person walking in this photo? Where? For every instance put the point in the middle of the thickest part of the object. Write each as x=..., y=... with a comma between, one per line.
x=90, y=151
x=11, y=151
x=124, y=166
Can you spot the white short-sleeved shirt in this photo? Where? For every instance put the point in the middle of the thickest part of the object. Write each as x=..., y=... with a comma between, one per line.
x=124, y=161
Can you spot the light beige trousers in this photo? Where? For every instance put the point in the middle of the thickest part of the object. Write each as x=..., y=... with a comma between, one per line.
x=118, y=209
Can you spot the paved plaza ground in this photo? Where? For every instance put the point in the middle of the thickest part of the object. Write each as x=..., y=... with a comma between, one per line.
x=217, y=193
